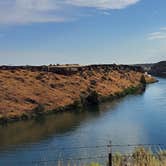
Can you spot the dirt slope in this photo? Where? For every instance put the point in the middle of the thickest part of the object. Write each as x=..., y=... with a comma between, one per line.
x=23, y=92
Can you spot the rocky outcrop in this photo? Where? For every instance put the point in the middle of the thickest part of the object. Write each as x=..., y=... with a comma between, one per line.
x=69, y=69
x=29, y=91
x=159, y=69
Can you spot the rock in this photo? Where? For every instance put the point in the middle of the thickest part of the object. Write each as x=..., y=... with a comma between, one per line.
x=92, y=98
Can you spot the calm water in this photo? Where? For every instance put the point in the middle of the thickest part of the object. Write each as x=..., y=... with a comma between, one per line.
x=132, y=120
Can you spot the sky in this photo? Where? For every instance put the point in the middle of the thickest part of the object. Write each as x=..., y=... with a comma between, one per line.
x=36, y=32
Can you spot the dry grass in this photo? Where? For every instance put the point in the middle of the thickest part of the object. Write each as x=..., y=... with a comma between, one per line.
x=140, y=157
x=21, y=91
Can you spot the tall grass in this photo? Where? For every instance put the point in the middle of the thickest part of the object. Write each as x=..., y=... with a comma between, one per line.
x=140, y=157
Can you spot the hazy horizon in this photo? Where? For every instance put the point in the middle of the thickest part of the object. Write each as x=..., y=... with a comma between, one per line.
x=77, y=64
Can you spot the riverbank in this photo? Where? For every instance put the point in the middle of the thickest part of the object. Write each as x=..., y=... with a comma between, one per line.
x=30, y=92
x=140, y=157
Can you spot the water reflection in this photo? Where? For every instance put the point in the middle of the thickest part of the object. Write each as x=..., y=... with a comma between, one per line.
x=44, y=126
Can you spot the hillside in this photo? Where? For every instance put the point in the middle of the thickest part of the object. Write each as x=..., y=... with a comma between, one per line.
x=26, y=92
x=159, y=69
x=145, y=66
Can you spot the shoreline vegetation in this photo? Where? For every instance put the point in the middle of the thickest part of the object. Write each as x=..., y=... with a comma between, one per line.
x=140, y=157
x=31, y=91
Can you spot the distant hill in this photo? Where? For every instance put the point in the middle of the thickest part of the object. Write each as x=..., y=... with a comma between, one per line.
x=159, y=69
x=145, y=66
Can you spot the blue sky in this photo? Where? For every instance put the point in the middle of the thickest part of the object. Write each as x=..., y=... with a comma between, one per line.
x=82, y=31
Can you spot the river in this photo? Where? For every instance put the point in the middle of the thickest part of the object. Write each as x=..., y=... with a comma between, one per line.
x=134, y=119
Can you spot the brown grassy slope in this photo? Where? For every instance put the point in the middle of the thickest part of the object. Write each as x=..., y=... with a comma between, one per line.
x=21, y=91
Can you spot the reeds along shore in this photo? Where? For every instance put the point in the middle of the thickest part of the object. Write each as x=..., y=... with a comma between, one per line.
x=29, y=92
